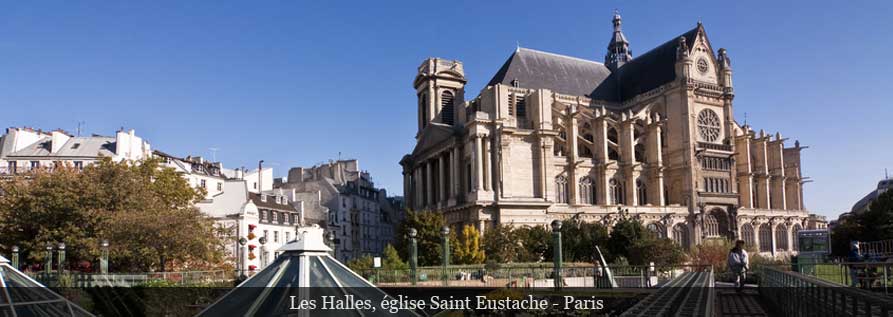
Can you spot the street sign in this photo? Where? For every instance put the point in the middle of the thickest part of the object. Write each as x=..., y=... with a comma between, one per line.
x=376, y=262
x=814, y=241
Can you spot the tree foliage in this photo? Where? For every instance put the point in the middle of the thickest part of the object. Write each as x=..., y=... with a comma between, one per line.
x=145, y=211
x=468, y=249
x=876, y=223
x=428, y=225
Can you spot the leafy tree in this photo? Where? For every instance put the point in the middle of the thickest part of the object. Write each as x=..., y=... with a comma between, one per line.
x=624, y=234
x=467, y=249
x=535, y=242
x=713, y=252
x=578, y=240
x=429, y=239
x=360, y=264
x=145, y=211
x=876, y=223
x=500, y=244
x=391, y=259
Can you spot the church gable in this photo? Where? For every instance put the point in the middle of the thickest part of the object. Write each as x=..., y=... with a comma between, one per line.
x=705, y=67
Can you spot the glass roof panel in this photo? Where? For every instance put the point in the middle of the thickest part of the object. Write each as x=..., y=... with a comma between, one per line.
x=22, y=289
x=59, y=308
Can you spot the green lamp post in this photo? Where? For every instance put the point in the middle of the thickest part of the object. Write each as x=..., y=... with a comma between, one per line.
x=104, y=257
x=413, y=256
x=556, y=251
x=49, y=259
x=15, y=257
x=445, y=232
x=61, y=265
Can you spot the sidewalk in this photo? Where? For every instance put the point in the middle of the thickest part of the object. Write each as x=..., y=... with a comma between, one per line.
x=731, y=303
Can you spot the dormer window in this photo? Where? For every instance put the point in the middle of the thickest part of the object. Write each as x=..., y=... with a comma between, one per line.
x=263, y=198
x=75, y=146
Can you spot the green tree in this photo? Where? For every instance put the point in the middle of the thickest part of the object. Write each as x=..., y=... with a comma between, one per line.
x=579, y=239
x=535, y=242
x=360, y=264
x=391, y=259
x=876, y=223
x=500, y=244
x=467, y=249
x=429, y=239
x=145, y=211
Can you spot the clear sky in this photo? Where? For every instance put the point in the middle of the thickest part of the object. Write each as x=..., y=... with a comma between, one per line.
x=296, y=83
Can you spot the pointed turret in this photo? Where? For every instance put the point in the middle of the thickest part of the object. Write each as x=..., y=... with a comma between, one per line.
x=618, y=48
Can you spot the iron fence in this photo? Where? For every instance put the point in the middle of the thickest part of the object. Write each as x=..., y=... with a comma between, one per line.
x=530, y=276
x=80, y=279
x=874, y=276
x=797, y=294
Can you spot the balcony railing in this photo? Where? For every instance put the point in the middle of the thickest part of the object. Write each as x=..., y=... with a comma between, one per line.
x=716, y=147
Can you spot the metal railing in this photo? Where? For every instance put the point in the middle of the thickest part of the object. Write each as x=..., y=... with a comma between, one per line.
x=796, y=294
x=877, y=249
x=529, y=276
x=79, y=279
x=873, y=276
x=691, y=294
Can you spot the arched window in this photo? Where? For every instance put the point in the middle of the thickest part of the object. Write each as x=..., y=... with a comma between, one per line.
x=747, y=234
x=587, y=191
x=616, y=191
x=711, y=226
x=781, y=237
x=765, y=238
x=642, y=190
x=561, y=190
x=657, y=229
x=612, y=154
x=680, y=235
x=446, y=107
x=795, y=240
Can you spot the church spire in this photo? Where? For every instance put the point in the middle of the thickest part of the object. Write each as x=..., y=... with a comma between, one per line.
x=618, y=48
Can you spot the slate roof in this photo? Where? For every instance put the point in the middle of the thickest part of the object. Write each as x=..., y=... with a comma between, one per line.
x=559, y=73
x=270, y=203
x=93, y=146
x=579, y=77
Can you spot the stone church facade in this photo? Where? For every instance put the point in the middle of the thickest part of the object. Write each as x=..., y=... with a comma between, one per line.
x=651, y=137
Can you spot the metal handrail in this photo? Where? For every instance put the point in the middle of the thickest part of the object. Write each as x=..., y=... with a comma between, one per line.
x=796, y=294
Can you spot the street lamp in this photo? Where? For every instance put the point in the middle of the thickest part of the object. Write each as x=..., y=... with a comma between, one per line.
x=49, y=258
x=241, y=262
x=445, y=232
x=263, y=252
x=331, y=238
x=104, y=257
x=413, y=255
x=15, y=257
x=556, y=251
x=61, y=265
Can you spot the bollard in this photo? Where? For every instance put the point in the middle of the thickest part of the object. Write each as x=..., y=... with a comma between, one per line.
x=556, y=252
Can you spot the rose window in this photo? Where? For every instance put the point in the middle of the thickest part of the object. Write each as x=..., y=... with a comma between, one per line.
x=708, y=125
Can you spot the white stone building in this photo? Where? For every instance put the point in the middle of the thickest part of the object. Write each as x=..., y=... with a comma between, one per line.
x=361, y=215
x=25, y=149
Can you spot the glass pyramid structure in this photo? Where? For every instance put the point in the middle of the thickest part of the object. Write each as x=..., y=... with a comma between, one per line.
x=21, y=295
x=304, y=272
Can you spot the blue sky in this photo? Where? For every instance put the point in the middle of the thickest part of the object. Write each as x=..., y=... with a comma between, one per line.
x=296, y=82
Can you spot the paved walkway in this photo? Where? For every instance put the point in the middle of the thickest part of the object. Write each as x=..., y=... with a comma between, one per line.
x=731, y=303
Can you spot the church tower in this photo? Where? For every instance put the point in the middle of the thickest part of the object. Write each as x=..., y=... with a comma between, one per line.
x=440, y=88
x=618, y=48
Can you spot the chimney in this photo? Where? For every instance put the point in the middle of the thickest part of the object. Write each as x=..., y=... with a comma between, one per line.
x=57, y=140
x=260, y=176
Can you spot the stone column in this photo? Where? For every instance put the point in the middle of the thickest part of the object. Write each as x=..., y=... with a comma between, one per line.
x=488, y=167
x=429, y=183
x=756, y=234
x=573, y=152
x=772, y=228
x=479, y=164
x=600, y=139
x=441, y=180
x=626, y=138
x=655, y=159
x=419, y=188
x=407, y=187
x=455, y=179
